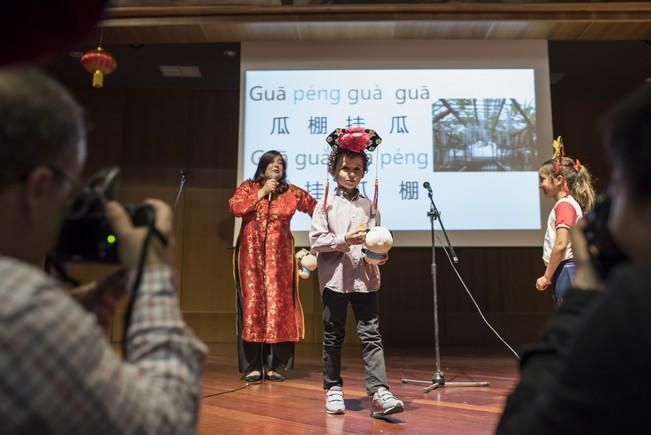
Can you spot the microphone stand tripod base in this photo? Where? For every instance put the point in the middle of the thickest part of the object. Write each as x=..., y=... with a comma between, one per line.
x=438, y=381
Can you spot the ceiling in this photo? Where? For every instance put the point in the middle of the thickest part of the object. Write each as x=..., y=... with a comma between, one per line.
x=180, y=21
x=592, y=45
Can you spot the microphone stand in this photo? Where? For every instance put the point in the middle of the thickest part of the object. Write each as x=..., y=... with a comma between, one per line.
x=438, y=380
x=182, y=175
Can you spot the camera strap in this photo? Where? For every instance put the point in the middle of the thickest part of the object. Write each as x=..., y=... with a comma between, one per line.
x=133, y=294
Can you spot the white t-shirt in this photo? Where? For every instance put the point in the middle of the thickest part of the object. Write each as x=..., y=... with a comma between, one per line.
x=565, y=213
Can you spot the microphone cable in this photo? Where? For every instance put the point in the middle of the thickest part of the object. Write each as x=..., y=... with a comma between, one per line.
x=497, y=334
x=233, y=390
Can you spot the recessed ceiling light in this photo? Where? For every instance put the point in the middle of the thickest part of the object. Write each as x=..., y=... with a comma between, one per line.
x=230, y=53
x=184, y=71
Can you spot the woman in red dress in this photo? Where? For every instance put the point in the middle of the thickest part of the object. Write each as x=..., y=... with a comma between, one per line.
x=270, y=316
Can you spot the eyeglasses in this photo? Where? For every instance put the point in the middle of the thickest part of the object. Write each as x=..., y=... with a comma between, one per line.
x=64, y=175
x=77, y=187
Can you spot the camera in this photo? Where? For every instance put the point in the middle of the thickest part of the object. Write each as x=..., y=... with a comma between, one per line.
x=86, y=235
x=602, y=248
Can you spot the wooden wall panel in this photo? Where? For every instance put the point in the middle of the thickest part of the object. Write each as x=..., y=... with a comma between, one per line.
x=213, y=327
x=500, y=279
x=213, y=133
x=156, y=122
x=105, y=127
x=206, y=258
x=577, y=117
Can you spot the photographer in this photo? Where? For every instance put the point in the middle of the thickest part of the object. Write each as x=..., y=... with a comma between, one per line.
x=58, y=372
x=589, y=374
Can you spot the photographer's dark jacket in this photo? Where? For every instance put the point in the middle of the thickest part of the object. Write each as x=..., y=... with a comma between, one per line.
x=590, y=372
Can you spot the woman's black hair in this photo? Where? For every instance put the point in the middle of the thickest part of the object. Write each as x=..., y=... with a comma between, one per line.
x=264, y=161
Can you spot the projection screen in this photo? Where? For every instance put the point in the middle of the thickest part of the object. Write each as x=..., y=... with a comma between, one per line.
x=472, y=118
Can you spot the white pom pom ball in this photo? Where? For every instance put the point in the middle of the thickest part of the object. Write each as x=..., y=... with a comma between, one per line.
x=379, y=240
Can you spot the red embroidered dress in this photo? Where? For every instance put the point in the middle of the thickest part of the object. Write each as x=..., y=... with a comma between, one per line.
x=264, y=263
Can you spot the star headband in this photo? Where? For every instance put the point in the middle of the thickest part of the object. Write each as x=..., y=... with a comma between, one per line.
x=559, y=153
x=559, y=156
x=355, y=139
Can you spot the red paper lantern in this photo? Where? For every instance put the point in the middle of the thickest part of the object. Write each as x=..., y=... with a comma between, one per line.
x=99, y=62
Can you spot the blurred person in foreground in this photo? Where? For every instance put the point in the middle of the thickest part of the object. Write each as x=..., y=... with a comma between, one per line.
x=58, y=371
x=589, y=374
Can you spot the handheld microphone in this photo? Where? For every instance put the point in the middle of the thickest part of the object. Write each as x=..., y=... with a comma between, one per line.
x=427, y=186
x=276, y=177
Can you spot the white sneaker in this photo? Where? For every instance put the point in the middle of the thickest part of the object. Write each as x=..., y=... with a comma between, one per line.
x=385, y=403
x=335, y=400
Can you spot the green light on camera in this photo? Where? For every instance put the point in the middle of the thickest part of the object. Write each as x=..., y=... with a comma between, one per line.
x=111, y=239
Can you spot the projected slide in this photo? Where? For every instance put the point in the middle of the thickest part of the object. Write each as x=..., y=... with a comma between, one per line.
x=471, y=133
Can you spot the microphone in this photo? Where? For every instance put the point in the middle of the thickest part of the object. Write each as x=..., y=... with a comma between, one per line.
x=427, y=186
x=276, y=177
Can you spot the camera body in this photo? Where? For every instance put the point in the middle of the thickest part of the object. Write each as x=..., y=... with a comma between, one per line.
x=90, y=238
x=86, y=235
x=602, y=248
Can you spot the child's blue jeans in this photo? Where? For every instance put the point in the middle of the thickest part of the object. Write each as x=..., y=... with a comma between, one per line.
x=563, y=279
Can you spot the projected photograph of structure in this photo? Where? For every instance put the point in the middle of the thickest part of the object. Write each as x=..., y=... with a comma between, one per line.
x=489, y=134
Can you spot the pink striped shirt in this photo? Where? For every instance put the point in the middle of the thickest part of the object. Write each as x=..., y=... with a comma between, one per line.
x=341, y=267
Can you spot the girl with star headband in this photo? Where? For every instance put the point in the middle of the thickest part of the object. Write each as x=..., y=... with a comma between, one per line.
x=570, y=184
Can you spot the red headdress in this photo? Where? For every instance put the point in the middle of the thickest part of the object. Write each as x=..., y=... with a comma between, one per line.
x=355, y=139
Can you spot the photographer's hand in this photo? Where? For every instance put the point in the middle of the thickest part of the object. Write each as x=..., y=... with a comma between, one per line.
x=586, y=277
x=131, y=238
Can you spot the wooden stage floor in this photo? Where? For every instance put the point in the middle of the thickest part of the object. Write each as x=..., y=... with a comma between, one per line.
x=296, y=406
